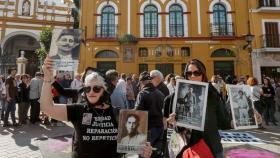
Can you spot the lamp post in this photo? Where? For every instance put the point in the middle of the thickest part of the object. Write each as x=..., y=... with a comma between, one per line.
x=249, y=37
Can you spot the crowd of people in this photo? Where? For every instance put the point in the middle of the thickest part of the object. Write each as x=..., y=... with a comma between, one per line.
x=93, y=98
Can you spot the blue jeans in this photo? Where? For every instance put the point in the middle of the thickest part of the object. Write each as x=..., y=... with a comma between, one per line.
x=4, y=107
x=155, y=137
x=11, y=108
x=220, y=155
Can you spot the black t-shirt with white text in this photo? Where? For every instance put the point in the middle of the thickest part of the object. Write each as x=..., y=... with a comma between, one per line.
x=95, y=132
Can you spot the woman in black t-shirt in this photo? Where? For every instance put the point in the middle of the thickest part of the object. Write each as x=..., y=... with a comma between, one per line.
x=94, y=121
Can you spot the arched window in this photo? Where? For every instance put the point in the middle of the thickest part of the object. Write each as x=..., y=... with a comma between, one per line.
x=26, y=8
x=220, y=25
x=106, y=54
x=223, y=53
x=108, y=27
x=150, y=21
x=176, y=23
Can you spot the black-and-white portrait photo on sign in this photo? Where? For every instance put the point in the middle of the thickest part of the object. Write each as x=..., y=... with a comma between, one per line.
x=242, y=107
x=190, y=103
x=65, y=48
x=133, y=131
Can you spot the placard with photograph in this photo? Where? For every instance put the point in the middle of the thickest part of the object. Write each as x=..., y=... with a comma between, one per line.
x=242, y=107
x=65, y=48
x=190, y=103
x=133, y=129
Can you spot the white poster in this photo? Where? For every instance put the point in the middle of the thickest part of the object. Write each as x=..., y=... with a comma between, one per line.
x=65, y=48
x=190, y=103
x=242, y=107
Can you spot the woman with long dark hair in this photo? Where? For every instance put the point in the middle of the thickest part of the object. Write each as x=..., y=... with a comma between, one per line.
x=215, y=112
x=268, y=97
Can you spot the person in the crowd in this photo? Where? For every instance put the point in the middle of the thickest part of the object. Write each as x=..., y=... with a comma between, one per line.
x=256, y=93
x=76, y=84
x=87, y=118
x=1, y=89
x=131, y=135
x=130, y=93
x=214, y=81
x=11, y=95
x=168, y=78
x=277, y=95
x=242, y=80
x=157, y=80
x=23, y=99
x=65, y=83
x=268, y=97
x=3, y=101
x=151, y=99
x=18, y=79
x=118, y=97
x=34, y=96
x=171, y=85
x=215, y=114
x=112, y=77
x=135, y=84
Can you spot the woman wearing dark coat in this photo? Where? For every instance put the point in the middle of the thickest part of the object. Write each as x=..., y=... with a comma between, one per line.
x=216, y=116
x=23, y=100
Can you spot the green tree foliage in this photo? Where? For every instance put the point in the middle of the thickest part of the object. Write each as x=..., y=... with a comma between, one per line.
x=45, y=40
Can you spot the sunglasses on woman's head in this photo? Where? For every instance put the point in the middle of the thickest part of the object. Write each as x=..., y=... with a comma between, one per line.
x=95, y=89
x=194, y=73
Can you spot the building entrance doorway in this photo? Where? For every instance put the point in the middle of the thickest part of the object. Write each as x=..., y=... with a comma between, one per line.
x=224, y=68
x=104, y=66
x=165, y=69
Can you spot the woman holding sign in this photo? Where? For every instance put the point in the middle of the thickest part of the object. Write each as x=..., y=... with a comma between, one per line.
x=215, y=117
x=94, y=121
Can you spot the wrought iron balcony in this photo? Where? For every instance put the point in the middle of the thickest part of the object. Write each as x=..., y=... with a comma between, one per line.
x=150, y=30
x=222, y=29
x=106, y=31
x=269, y=3
x=271, y=41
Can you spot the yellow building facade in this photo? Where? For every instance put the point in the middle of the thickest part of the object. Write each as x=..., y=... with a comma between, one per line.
x=136, y=35
x=265, y=21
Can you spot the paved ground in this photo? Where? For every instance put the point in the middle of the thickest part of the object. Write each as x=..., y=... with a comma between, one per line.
x=22, y=142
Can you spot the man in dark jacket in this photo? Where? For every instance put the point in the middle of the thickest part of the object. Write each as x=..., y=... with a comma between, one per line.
x=151, y=99
x=157, y=80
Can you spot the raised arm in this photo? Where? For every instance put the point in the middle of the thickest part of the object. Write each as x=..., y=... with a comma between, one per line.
x=56, y=111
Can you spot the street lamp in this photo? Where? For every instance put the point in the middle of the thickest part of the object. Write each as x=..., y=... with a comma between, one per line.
x=249, y=38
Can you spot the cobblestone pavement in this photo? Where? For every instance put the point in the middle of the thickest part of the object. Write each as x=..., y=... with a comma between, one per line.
x=21, y=142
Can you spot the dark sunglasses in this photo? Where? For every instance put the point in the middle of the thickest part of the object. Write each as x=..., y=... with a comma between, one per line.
x=95, y=89
x=194, y=73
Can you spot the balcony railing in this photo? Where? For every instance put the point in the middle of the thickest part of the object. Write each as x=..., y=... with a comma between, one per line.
x=269, y=3
x=221, y=29
x=106, y=31
x=150, y=30
x=176, y=30
x=271, y=40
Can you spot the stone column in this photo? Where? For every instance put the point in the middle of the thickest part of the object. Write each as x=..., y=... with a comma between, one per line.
x=21, y=63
